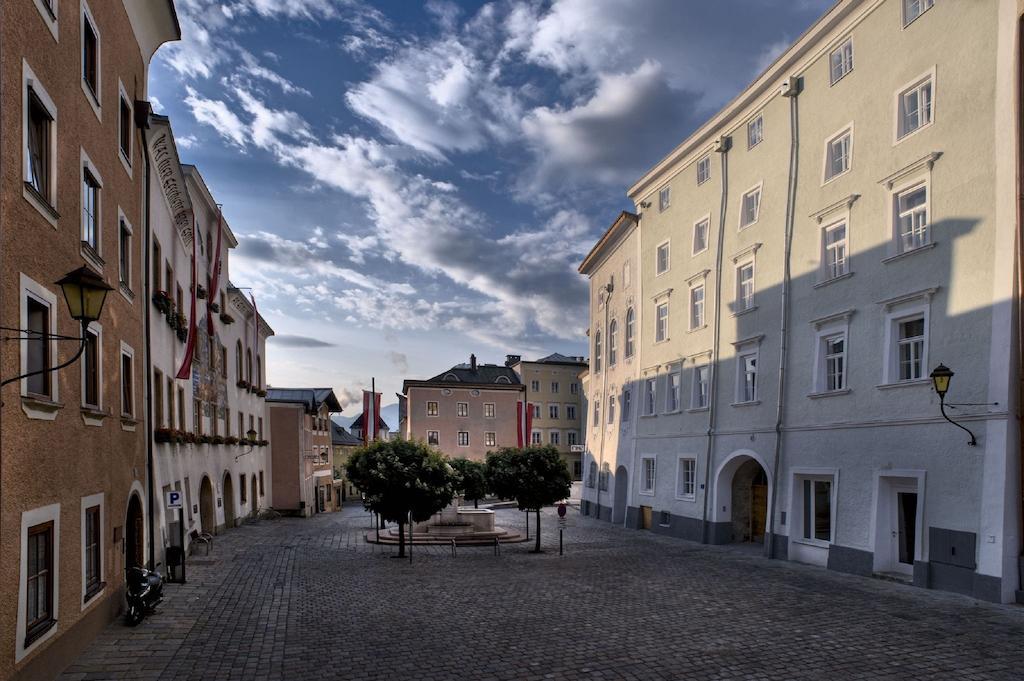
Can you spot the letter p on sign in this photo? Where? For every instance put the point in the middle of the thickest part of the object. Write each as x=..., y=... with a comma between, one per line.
x=174, y=499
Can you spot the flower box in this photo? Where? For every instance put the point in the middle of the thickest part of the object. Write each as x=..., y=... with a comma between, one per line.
x=216, y=440
x=163, y=435
x=261, y=393
x=243, y=384
x=215, y=307
x=200, y=292
x=182, y=333
x=226, y=318
x=204, y=439
x=162, y=301
x=231, y=440
x=189, y=437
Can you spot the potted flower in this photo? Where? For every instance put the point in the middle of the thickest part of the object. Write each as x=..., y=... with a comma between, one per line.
x=215, y=307
x=163, y=435
x=226, y=318
x=204, y=439
x=182, y=333
x=261, y=393
x=264, y=443
x=243, y=384
x=161, y=300
x=200, y=292
x=216, y=440
x=189, y=437
x=231, y=440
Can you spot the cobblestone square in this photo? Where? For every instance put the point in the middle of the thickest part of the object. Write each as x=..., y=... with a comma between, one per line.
x=309, y=599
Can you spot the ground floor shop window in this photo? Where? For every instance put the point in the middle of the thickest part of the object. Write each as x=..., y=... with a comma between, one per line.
x=817, y=509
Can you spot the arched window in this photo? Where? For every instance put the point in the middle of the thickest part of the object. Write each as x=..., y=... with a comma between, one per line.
x=502, y=379
x=248, y=366
x=613, y=334
x=630, y=326
x=597, y=351
x=209, y=248
x=259, y=373
x=238, y=361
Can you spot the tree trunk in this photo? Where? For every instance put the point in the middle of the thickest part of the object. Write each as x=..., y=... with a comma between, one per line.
x=536, y=547
x=401, y=539
x=475, y=501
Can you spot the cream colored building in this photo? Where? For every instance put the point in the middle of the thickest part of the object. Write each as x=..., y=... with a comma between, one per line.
x=805, y=259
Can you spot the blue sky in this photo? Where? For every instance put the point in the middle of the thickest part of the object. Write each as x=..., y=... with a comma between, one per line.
x=412, y=183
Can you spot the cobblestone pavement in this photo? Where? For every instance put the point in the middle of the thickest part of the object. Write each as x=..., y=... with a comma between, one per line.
x=309, y=599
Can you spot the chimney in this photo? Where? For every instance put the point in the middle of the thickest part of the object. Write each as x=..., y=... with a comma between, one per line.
x=512, y=360
x=472, y=362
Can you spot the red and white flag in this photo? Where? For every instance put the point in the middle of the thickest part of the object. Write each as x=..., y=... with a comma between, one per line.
x=524, y=414
x=214, y=279
x=185, y=371
x=371, y=416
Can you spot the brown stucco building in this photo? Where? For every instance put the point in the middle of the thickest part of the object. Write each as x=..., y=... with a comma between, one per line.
x=302, y=469
x=72, y=441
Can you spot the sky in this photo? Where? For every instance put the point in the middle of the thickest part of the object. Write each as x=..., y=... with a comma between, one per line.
x=411, y=183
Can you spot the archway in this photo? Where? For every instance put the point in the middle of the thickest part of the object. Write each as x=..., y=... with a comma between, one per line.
x=229, y=501
x=743, y=492
x=254, y=500
x=207, y=517
x=619, y=500
x=134, y=540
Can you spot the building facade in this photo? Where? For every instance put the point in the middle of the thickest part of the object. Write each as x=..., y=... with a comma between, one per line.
x=806, y=258
x=72, y=440
x=210, y=429
x=301, y=450
x=466, y=411
x=553, y=390
x=343, y=444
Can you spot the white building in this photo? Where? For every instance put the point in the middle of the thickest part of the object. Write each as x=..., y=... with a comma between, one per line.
x=211, y=428
x=806, y=258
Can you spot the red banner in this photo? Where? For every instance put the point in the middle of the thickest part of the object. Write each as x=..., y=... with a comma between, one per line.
x=524, y=424
x=520, y=421
x=214, y=279
x=376, y=416
x=190, y=347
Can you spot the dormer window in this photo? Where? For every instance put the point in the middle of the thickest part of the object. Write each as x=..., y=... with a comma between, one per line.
x=502, y=379
x=450, y=377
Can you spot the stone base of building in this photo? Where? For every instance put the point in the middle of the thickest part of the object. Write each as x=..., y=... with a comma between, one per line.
x=592, y=510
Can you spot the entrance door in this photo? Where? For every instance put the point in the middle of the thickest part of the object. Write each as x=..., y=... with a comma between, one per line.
x=229, y=501
x=320, y=500
x=903, y=529
x=133, y=536
x=645, y=517
x=255, y=500
x=758, y=508
x=207, y=517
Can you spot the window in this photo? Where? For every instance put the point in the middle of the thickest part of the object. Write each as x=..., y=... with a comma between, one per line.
x=170, y=405
x=554, y=437
x=626, y=275
x=241, y=425
x=699, y=398
x=911, y=349
x=431, y=408
x=39, y=578
x=661, y=260
x=602, y=478
x=48, y=11
x=664, y=198
x=912, y=9
x=696, y=306
x=462, y=408
x=613, y=345
x=39, y=153
x=127, y=382
x=686, y=482
x=911, y=206
x=703, y=170
x=574, y=388
x=661, y=323
x=261, y=483
x=554, y=386
x=92, y=548
x=834, y=243
x=672, y=402
x=241, y=488
x=648, y=466
x=535, y=438
x=592, y=474
x=91, y=370
x=838, y=152
x=38, y=347
x=90, y=54
x=488, y=410
x=817, y=510
x=570, y=439
x=700, y=235
x=90, y=210
x=553, y=411
x=751, y=207
x=630, y=333
x=433, y=438
x=835, y=362
x=181, y=413
x=535, y=386
x=840, y=61
x=536, y=410
x=755, y=131
x=463, y=438
x=915, y=107
x=259, y=428
x=597, y=414
x=570, y=412
x=491, y=439
x=597, y=351
x=747, y=388
x=744, y=287
x=649, y=396
x=124, y=250
x=611, y=409
x=197, y=417
x=124, y=128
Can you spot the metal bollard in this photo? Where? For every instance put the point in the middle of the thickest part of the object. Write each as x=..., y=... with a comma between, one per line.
x=453, y=548
x=497, y=547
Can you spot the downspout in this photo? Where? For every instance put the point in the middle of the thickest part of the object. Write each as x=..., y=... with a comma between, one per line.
x=792, y=94
x=148, y=347
x=607, y=289
x=723, y=148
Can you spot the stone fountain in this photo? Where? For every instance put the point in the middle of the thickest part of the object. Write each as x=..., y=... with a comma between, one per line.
x=464, y=524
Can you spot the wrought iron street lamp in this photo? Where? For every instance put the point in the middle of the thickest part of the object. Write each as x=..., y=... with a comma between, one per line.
x=85, y=293
x=941, y=377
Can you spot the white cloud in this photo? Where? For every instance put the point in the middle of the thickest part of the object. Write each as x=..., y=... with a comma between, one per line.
x=217, y=115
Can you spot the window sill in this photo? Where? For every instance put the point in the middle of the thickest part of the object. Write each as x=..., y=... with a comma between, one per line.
x=746, y=311
x=833, y=280
x=672, y=412
x=908, y=135
x=92, y=257
x=646, y=494
x=41, y=204
x=126, y=292
x=662, y=341
x=91, y=97
x=816, y=543
x=686, y=497
x=828, y=393
x=648, y=416
x=829, y=180
x=93, y=416
x=750, y=403
x=128, y=423
x=93, y=592
x=39, y=631
x=905, y=384
x=697, y=328
x=125, y=161
x=41, y=408
x=906, y=254
x=695, y=410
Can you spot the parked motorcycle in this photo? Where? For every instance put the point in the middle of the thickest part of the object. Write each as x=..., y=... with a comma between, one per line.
x=145, y=591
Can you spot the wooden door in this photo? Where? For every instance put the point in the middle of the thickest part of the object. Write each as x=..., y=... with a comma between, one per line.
x=758, y=510
x=645, y=517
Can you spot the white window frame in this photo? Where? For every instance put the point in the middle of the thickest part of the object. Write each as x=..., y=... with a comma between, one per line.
x=459, y=438
x=570, y=412
x=827, y=157
x=613, y=346
x=666, y=244
x=536, y=437
x=826, y=273
x=437, y=409
x=756, y=189
x=899, y=134
x=571, y=437
x=94, y=98
x=462, y=410
x=29, y=80
x=703, y=169
x=97, y=329
x=554, y=387
x=626, y=406
x=490, y=439
x=493, y=410
x=845, y=52
x=900, y=310
x=86, y=165
x=664, y=198
x=30, y=519
x=87, y=503
x=535, y=386
x=661, y=323
x=597, y=351
x=755, y=130
x=437, y=437
x=536, y=409
x=692, y=305
x=920, y=182
x=31, y=288
x=681, y=481
x=553, y=411
x=126, y=350
x=745, y=349
x=650, y=389
x=644, y=489
x=825, y=329
x=50, y=17
x=629, y=333
x=706, y=222
x=555, y=437
x=675, y=372
x=905, y=6
x=126, y=161
x=695, y=383
x=744, y=302
x=830, y=475
x=125, y=278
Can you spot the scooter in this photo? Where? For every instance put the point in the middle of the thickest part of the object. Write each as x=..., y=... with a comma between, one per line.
x=145, y=591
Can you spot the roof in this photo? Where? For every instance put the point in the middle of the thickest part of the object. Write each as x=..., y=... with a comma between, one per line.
x=358, y=423
x=622, y=223
x=340, y=436
x=491, y=375
x=310, y=398
x=558, y=358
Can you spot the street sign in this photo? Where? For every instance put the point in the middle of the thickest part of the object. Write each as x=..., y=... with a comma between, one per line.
x=173, y=499
x=561, y=510
x=577, y=449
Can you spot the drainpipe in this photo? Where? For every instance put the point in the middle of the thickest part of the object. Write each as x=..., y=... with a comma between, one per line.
x=723, y=149
x=147, y=345
x=607, y=289
x=792, y=94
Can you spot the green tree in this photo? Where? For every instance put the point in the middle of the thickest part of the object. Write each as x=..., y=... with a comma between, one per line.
x=474, y=479
x=534, y=476
x=402, y=478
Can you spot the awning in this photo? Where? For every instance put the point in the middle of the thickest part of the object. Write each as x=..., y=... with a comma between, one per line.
x=323, y=474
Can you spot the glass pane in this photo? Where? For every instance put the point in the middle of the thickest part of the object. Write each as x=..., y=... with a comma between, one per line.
x=823, y=510
x=807, y=509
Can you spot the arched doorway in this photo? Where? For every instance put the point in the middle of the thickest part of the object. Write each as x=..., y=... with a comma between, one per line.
x=254, y=502
x=619, y=500
x=207, y=516
x=742, y=493
x=229, y=501
x=134, y=539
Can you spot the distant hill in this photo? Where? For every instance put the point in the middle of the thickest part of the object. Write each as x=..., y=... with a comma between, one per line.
x=388, y=412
